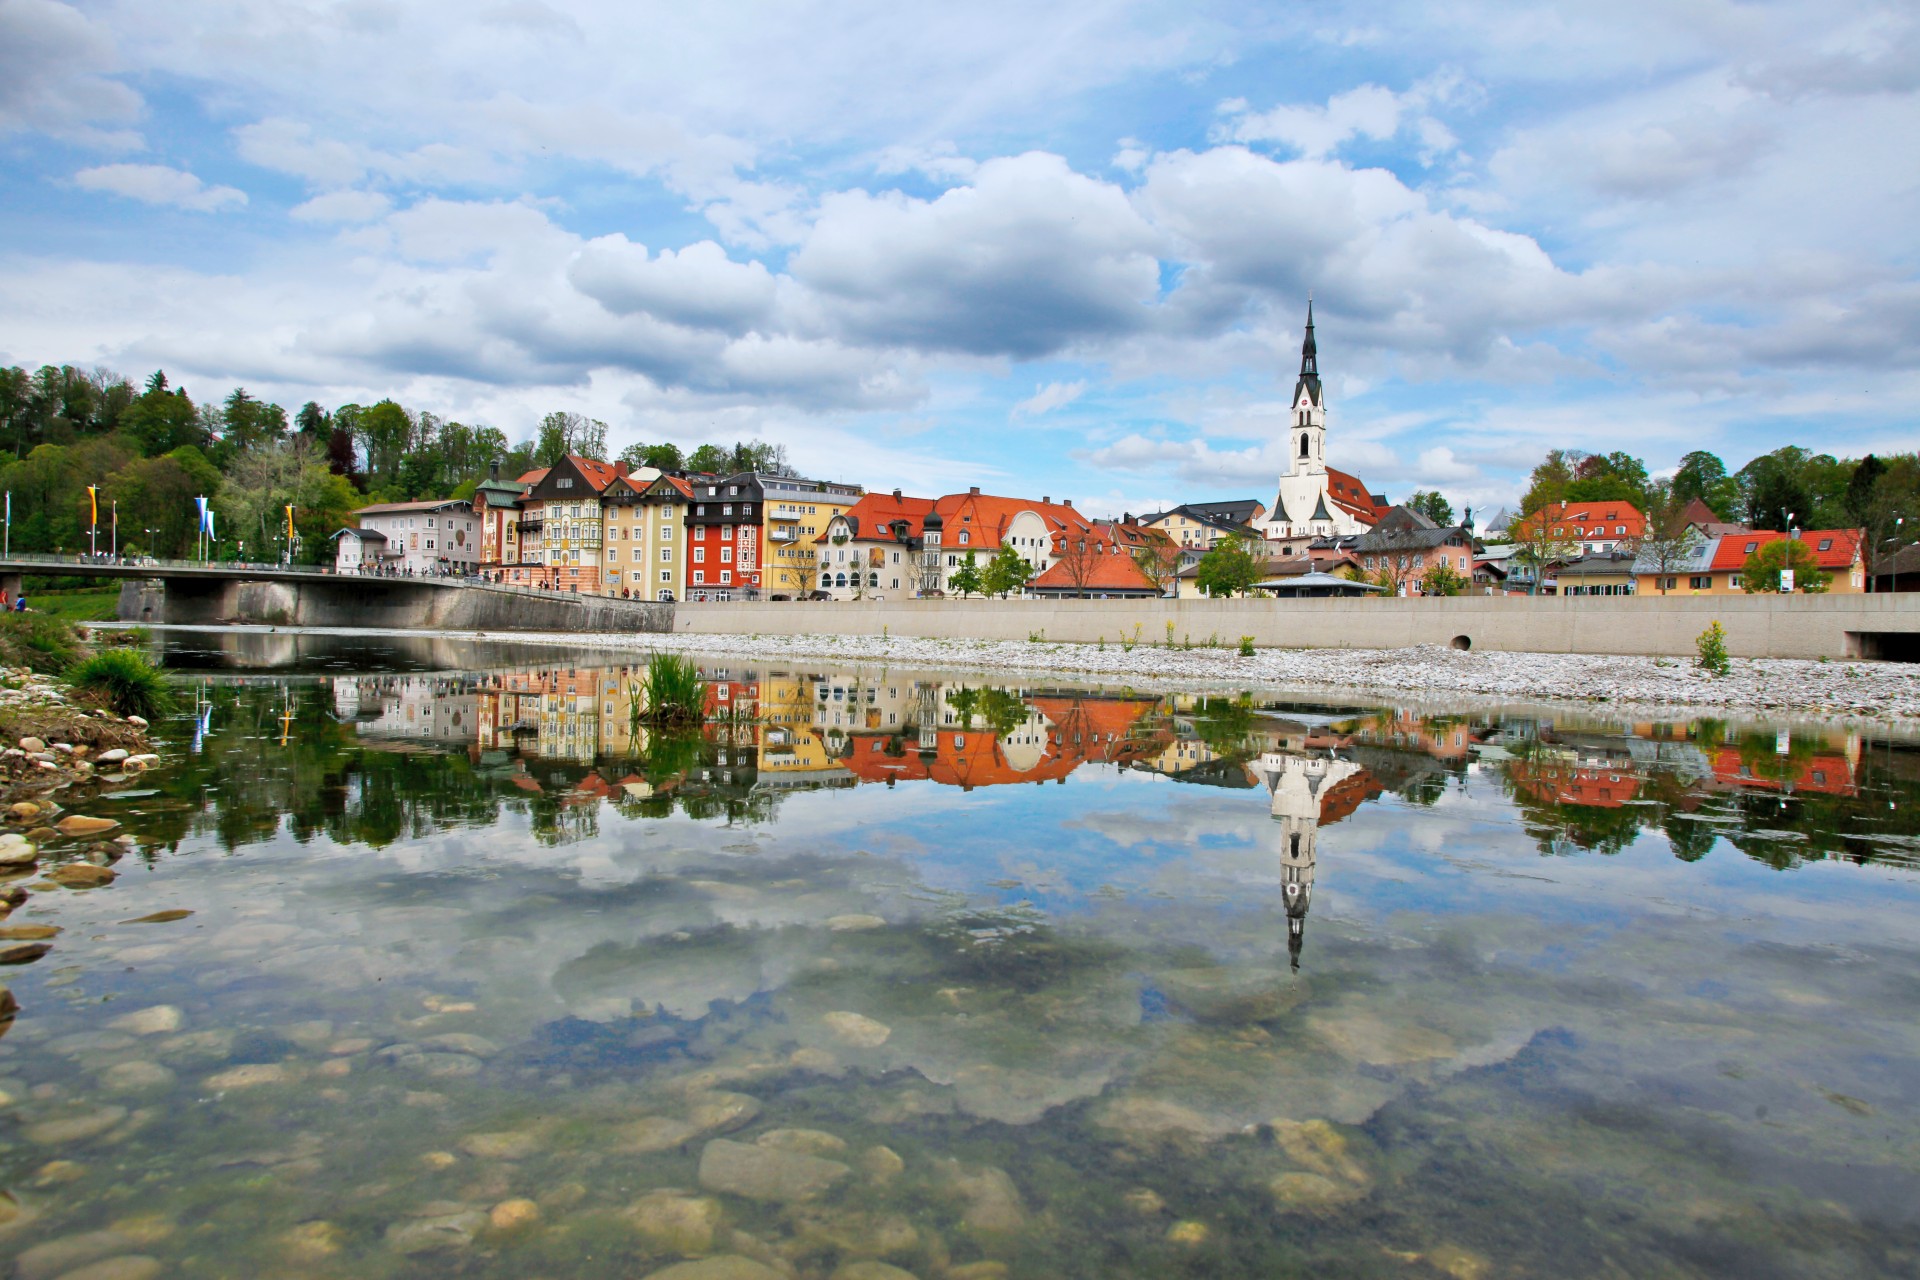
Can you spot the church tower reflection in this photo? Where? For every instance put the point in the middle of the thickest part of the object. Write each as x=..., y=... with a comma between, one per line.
x=1305, y=791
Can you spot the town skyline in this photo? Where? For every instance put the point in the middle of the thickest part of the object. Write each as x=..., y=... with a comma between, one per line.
x=955, y=249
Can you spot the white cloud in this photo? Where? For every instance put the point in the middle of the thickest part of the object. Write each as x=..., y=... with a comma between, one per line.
x=1368, y=111
x=342, y=206
x=157, y=184
x=1029, y=259
x=55, y=65
x=1054, y=395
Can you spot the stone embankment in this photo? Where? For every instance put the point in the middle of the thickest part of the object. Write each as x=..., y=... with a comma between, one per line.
x=1880, y=691
x=42, y=779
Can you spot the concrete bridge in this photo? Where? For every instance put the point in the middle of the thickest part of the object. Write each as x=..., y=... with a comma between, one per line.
x=194, y=593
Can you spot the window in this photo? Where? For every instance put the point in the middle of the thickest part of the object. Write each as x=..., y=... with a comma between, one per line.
x=1826, y=544
x=963, y=537
x=699, y=555
x=727, y=510
x=666, y=575
x=429, y=541
x=564, y=482
x=746, y=510
x=612, y=555
x=1752, y=547
x=1733, y=579
x=700, y=510
x=726, y=555
x=726, y=577
x=699, y=578
x=666, y=555
x=1697, y=582
x=666, y=533
x=430, y=525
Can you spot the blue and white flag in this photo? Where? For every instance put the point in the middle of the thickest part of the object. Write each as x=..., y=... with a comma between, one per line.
x=206, y=515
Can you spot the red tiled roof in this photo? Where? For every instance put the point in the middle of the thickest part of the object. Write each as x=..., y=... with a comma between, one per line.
x=597, y=473
x=876, y=511
x=534, y=476
x=1587, y=520
x=1347, y=490
x=985, y=517
x=1107, y=572
x=1827, y=771
x=1842, y=546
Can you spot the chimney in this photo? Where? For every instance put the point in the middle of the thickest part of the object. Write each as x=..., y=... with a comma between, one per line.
x=974, y=490
x=620, y=468
x=1046, y=500
x=896, y=495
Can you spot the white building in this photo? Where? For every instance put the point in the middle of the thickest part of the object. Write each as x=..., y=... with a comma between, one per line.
x=1315, y=500
x=417, y=538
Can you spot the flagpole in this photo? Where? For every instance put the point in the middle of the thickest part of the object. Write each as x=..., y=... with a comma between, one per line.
x=93, y=529
x=116, y=528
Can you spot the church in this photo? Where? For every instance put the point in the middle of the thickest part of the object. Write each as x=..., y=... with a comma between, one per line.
x=1316, y=500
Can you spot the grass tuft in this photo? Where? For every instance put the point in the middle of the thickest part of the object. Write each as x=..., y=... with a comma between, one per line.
x=673, y=691
x=47, y=644
x=124, y=681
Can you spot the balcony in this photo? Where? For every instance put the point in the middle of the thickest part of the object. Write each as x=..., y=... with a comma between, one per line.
x=783, y=533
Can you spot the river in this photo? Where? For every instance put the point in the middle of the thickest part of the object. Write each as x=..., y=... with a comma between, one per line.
x=458, y=971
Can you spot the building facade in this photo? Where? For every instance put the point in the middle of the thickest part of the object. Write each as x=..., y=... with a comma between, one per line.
x=420, y=539
x=872, y=549
x=1314, y=499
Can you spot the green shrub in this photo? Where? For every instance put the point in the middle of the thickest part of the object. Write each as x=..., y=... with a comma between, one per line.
x=1246, y=646
x=124, y=681
x=41, y=641
x=674, y=692
x=1712, y=647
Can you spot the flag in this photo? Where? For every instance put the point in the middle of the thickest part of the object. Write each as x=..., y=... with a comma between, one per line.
x=93, y=495
x=289, y=521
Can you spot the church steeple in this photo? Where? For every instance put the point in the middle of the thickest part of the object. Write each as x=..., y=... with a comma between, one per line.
x=1308, y=352
x=1309, y=382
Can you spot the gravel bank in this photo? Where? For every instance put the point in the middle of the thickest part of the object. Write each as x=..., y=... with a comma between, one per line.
x=1876, y=691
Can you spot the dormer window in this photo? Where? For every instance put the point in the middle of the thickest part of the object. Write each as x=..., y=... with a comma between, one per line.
x=1826, y=544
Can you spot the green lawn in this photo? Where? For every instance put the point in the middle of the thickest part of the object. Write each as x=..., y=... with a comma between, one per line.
x=94, y=604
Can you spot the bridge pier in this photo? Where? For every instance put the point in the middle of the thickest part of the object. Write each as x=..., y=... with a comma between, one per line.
x=10, y=583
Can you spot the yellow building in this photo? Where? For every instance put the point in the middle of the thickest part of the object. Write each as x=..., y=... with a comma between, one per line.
x=646, y=536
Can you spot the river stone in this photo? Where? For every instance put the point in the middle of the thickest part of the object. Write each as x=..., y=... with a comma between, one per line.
x=870, y=1270
x=79, y=1128
x=76, y=824
x=17, y=851
x=432, y=1234
x=82, y=875
x=23, y=952
x=128, y=1266
x=512, y=1215
x=978, y=1271
x=8, y=1005
x=311, y=1241
x=56, y=1257
x=882, y=1164
x=131, y=1077
x=460, y=1042
x=728, y=1266
x=502, y=1146
x=150, y=1021
x=676, y=1222
x=249, y=1075
x=857, y=1029
x=1317, y=1146
x=31, y=744
x=651, y=1134
x=764, y=1173
x=860, y=1235
x=1312, y=1193
x=808, y=1142
x=993, y=1202
x=112, y=756
x=29, y=932
x=440, y=1066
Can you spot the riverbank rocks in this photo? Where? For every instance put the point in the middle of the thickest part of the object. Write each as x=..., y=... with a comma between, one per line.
x=727, y=1266
x=54, y=1258
x=83, y=1126
x=17, y=851
x=857, y=1029
x=870, y=1270
x=860, y=1235
x=23, y=952
x=767, y=1173
x=706, y=1114
x=82, y=875
x=250, y=1076
x=676, y=1222
x=809, y=1142
x=503, y=1146
x=77, y=826
x=135, y=1077
x=130, y=1266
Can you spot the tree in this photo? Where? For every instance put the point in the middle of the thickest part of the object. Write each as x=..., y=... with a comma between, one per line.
x=1006, y=572
x=1442, y=579
x=1703, y=476
x=248, y=423
x=709, y=459
x=1761, y=573
x=1548, y=483
x=563, y=432
x=313, y=422
x=1432, y=506
x=966, y=579
x=757, y=455
x=1608, y=477
x=1885, y=513
x=1079, y=554
x=1230, y=567
x=1669, y=542
x=384, y=433
x=162, y=420
x=1159, y=562
x=1537, y=547
x=666, y=457
x=158, y=494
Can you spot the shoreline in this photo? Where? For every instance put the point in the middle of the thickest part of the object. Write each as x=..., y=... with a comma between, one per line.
x=1853, y=690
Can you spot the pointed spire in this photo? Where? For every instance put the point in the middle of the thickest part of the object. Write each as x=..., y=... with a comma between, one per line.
x=1309, y=366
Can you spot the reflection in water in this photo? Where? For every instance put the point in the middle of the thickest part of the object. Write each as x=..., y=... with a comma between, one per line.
x=483, y=977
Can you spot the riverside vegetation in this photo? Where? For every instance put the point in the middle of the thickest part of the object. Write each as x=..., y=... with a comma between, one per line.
x=465, y=973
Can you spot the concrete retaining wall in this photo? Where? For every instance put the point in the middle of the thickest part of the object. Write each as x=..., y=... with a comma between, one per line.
x=1757, y=626
x=349, y=602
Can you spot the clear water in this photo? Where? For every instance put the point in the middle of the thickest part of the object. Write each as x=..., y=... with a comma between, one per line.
x=1050, y=982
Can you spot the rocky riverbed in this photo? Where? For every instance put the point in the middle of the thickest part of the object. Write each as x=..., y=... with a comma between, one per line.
x=1878, y=691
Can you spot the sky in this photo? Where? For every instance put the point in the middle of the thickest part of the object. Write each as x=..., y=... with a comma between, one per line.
x=1060, y=249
